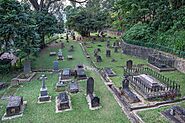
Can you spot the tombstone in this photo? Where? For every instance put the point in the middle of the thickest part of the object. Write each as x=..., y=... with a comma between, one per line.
x=43, y=90
x=73, y=87
x=108, y=53
x=27, y=67
x=71, y=48
x=56, y=66
x=62, y=45
x=116, y=49
x=80, y=73
x=66, y=73
x=52, y=53
x=63, y=101
x=98, y=58
x=2, y=85
x=90, y=86
x=95, y=101
x=113, y=60
x=67, y=37
x=60, y=56
x=15, y=106
x=69, y=57
x=129, y=64
x=108, y=43
x=125, y=83
x=114, y=44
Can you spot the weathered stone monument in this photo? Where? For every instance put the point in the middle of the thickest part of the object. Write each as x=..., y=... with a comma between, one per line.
x=27, y=67
x=62, y=45
x=15, y=106
x=116, y=49
x=94, y=101
x=98, y=58
x=129, y=64
x=60, y=55
x=63, y=102
x=73, y=87
x=108, y=53
x=55, y=66
x=43, y=91
x=108, y=43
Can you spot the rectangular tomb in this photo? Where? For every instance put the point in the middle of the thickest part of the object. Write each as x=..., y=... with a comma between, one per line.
x=66, y=73
x=14, y=106
x=73, y=87
x=63, y=101
x=109, y=72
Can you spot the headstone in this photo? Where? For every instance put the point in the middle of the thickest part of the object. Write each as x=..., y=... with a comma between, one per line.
x=73, y=87
x=172, y=112
x=43, y=90
x=108, y=43
x=62, y=45
x=71, y=48
x=129, y=64
x=52, y=53
x=63, y=101
x=60, y=55
x=15, y=106
x=125, y=83
x=113, y=60
x=108, y=53
x=95, y=101
x=56, y=66
x=115, y=49
x=90, y=85
x=98, y=58
x=27, y=67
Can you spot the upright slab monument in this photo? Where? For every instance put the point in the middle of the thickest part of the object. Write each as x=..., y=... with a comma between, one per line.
x=56, y=66
x=94, y=101
x=60, y=55
x=108, y=53
x=129, y=64
x=98, y=58
x=44, y=97
x=27, y=67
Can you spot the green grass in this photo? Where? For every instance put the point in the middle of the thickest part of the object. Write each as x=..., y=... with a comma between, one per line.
x=155, y=116
x=45, y=113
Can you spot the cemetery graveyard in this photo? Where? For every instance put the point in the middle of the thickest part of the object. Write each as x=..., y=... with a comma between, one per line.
x=59, y=83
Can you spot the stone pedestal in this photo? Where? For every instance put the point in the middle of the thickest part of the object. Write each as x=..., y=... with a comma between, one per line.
x=44, y=95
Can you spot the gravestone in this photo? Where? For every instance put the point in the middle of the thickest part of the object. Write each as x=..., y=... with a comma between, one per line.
x=27, y=67
x=116, y=49
x=129, y=64
x=108, y=43
x=125, y=83
x=52, y=53
x=62, y=45
x=56, y=66
x=108, y=53
x=98, y=58
x=73, y=87
x=95, y=101
x=67, y=37
x=71, y=48
x=15, y=106
x=63, y=101
x=43, y=90
x=60, y=55
x=90, y=86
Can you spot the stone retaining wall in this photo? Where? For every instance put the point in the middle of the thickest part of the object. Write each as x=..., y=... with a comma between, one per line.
x=143, y=52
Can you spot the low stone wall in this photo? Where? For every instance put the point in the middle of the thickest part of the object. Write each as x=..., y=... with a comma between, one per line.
x=143, y=52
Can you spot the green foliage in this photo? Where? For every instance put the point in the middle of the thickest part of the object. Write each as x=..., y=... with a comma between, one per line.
x=165, y=22
x=88, y=19
x=139, y=32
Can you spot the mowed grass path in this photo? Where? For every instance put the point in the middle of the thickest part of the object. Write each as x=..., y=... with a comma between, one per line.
x=45, y=113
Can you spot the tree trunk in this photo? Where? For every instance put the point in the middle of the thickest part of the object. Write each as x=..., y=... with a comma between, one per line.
x=43, y=45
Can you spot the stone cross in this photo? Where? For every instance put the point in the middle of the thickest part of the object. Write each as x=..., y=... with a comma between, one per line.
x=43, y=78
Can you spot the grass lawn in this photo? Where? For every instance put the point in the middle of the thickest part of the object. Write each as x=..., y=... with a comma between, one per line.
x=155, y=116
x=45, y=113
